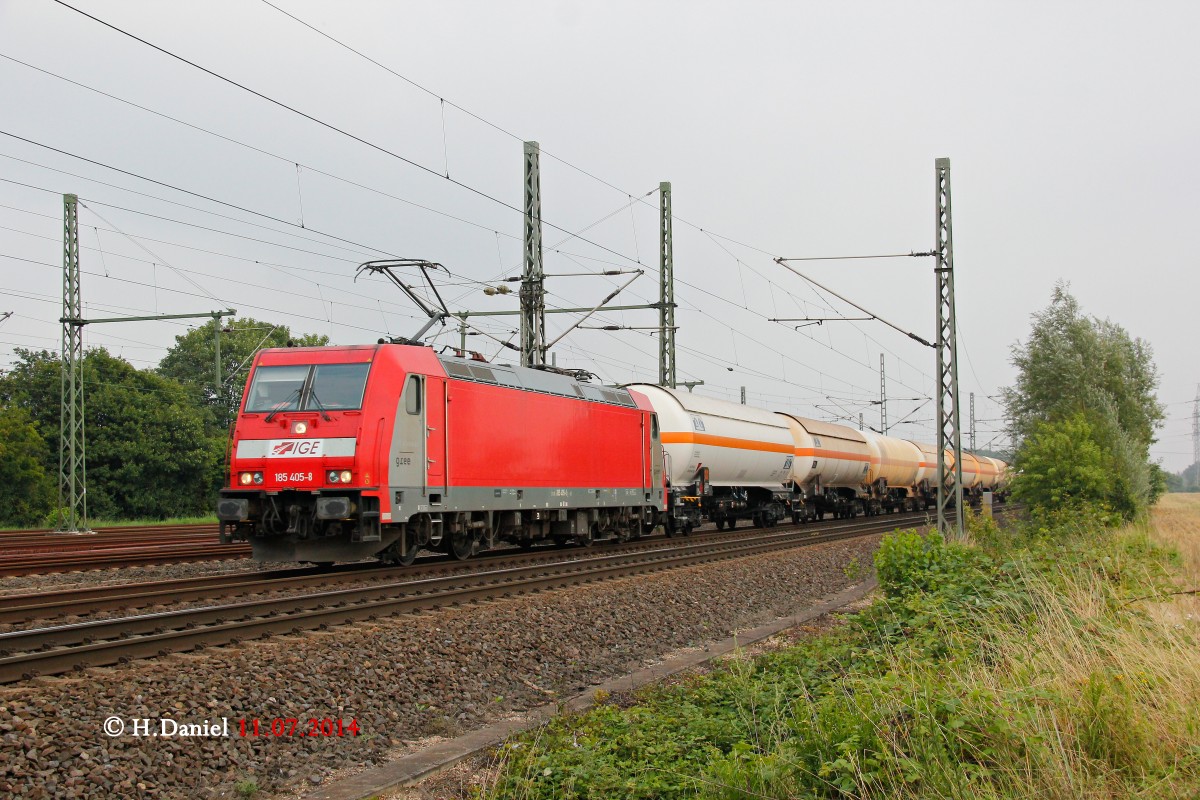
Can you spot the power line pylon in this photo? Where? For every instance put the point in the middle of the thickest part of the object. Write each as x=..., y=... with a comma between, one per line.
x=72, y=461
x=972, y=422
x=1196, y=434
x=533, y=276
x=949, y=430
x=666, y=290
x=883, y=428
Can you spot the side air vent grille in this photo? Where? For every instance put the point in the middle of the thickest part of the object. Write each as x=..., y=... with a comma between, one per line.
x=483, y=374
x=540, y=381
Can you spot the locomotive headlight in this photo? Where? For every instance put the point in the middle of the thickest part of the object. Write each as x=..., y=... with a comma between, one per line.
x=245, y=478
x=258, y=477
x=333, y=476
x=300, y=428
x=344, y=476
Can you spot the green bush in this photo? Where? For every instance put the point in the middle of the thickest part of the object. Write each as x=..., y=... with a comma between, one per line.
x=942, y=688
x=908, y=563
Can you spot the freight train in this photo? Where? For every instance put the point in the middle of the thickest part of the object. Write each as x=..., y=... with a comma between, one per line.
x=351, y=452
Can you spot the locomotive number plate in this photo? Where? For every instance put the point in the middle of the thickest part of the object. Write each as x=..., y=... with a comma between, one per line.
x=293, y=477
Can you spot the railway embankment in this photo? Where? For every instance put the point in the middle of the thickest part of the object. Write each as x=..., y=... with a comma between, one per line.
x=1054, y=660
x=381, y=688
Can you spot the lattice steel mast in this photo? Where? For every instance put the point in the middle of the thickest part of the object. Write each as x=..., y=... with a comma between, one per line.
x=1196, y=435
x=882, y=397
x=949, y=432
x=972, y=422
x=666, y=290
x=72, y=461
x=533, y=290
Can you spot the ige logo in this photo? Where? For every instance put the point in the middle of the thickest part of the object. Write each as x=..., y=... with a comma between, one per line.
x=295, y=448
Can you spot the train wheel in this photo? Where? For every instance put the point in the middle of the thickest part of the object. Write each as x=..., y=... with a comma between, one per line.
x=687, y=529
x=410, y=555
x=462, y=545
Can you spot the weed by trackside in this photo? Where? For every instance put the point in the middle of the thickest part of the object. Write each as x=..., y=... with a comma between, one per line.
x=1054, y=664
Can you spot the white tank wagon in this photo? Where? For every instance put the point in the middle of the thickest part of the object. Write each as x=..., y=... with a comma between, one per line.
x=1002, y=475
x=970, y=472
x=902, y=466
x=927, y=472
x=980, y=474
x=833, y=464
x=988, y=476
x=725, y=461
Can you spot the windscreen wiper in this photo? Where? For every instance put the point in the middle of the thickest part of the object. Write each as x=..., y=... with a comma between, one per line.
x=312, y=395
x=282, y=406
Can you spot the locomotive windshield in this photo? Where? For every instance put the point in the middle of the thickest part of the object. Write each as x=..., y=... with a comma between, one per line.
x=308, y=387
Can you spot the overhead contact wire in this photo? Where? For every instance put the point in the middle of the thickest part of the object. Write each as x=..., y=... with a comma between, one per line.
x=331, y=126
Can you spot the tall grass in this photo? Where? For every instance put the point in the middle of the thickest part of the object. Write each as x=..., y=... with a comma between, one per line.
x=1060, y=666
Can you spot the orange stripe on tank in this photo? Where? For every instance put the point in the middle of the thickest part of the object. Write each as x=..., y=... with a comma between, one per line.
x=823, y=453
x=689, y=437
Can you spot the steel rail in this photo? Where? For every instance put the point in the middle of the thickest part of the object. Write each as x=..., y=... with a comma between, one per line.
x=49, y=650
x=50, y=533
x=22, y=608
x=46, y=563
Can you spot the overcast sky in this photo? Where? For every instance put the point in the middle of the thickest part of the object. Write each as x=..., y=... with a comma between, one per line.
x=787, y=129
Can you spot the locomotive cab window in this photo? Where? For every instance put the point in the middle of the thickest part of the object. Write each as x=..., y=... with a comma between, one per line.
x=412, y=395
x=307, y=387
x=337, y=386
x=277, y=388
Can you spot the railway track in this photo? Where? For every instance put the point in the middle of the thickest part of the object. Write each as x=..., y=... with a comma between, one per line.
x=24, y=608
x=45, y=551
x=62, y=648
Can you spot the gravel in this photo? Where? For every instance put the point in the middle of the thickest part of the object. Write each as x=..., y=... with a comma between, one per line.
x=125, y=575
x=401, y=679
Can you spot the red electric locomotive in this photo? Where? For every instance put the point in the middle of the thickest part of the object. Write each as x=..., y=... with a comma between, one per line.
x=343, y=453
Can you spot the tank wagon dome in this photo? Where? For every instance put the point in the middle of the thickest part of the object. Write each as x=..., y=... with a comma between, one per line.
x=739, y=445
x=831, y=455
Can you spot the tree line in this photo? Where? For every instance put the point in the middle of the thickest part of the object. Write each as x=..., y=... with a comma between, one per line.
x=1082, y=411
x=156, y=438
